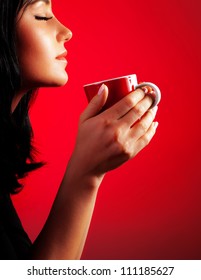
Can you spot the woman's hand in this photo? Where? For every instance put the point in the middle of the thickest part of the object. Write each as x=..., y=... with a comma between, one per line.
x=109, y=139
x=105, y=141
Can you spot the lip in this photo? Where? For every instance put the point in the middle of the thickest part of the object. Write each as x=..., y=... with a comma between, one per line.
x=62, y=56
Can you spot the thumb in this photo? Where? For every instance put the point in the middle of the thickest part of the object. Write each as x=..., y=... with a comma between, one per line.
x=96, y=104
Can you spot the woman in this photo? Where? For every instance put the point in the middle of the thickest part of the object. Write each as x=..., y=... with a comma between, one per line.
x=32, y=55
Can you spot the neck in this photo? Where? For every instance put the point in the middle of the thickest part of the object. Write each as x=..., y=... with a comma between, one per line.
x=16, y=99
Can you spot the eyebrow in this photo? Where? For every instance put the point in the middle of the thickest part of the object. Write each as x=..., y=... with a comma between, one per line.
x=47, y=2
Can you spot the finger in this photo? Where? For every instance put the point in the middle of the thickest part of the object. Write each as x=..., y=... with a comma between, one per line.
x=146, y=138
x=138, y=111
x=153, y=90
x=142, y=126
x=96, y=104
x=147, y=89
x=124, y=105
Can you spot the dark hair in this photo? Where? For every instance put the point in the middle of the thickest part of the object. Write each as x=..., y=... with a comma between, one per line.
x=16, y=147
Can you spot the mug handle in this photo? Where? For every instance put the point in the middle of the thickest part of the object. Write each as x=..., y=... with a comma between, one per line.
x=156, y=94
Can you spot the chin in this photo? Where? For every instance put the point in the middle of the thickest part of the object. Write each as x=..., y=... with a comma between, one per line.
x=59, y=82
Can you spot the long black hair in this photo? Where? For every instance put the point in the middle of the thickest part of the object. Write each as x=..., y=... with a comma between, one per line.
x=16, y=147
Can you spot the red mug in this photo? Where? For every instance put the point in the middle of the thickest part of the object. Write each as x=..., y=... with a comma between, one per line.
x=120, y=87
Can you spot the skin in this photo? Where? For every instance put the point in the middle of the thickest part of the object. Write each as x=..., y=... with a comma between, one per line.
x=40, y=40
x=124, y=129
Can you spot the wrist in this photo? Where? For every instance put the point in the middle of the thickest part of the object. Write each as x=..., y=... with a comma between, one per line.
x=88, y=181
x=77, y=176
x=83, y=182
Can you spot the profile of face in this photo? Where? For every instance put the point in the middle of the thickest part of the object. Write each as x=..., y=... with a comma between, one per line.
x=40, y=40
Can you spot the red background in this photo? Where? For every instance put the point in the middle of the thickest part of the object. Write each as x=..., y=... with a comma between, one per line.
x=150, y=207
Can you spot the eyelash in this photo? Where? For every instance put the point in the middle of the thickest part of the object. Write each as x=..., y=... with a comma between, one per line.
x=43, y=18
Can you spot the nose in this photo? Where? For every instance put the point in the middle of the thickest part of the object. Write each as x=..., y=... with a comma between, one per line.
x=64, y=34
x=68, y=35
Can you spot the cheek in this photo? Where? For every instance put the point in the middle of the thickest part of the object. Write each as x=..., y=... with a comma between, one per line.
x=37, y=52
x=34, y=52
x=36, y=57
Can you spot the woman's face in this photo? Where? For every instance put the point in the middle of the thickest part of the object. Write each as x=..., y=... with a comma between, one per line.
x=40, y=46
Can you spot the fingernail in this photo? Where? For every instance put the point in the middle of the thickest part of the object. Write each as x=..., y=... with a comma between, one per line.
x=101, y=89
x=145, y=89
x=154, y=109
x=156, y=125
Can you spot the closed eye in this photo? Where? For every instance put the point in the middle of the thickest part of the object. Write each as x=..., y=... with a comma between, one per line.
x=43, y=18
